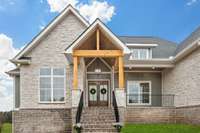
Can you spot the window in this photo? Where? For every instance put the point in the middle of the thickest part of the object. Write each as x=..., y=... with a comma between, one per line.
x=52, y=84
x=139, y=93
x=142, y=53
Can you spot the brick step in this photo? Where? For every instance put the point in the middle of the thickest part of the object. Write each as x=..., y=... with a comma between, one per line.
x=97, y=122
x=99, y=130
x=102, y=126
x=100, y=114
x=96, y=113
x=108, y=117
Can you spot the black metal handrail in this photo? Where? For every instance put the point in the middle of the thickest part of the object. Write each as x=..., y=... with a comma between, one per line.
x=79, y=109
x=154, y=99
x=116, y=110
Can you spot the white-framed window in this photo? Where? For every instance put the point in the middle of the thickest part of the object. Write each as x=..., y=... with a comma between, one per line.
x=52, y=85
x=139, y=93
x=141, y=53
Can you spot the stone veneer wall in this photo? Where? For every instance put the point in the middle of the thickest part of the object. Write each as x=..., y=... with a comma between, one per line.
x=183, y=80
x=42, y=121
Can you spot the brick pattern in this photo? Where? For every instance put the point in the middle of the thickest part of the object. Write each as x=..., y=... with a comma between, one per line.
x=149, y=115
x=49, y=53
x=98, y=119
x=188, y=115
x=183, y=80
x=42, y=121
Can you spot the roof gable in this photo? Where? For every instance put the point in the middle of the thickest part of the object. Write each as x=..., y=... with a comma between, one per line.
x=47, y=29
x=90, y=30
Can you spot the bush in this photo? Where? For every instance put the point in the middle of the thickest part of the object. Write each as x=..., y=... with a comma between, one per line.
x=1, y=120
x=6, y=117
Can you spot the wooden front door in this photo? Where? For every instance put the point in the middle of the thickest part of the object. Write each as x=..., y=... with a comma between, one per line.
x=98, y=93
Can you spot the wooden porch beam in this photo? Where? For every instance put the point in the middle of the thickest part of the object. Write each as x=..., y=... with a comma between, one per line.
x=98, y=53
x=121, y=72
x=75, y=72
x=97, y=39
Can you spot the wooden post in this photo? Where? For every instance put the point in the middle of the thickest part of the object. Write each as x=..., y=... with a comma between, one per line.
x=121, y=72
x=98, y=39
x=75, y=72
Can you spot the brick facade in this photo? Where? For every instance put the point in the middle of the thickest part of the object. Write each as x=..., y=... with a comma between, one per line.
x=149, y=115
x=42, y=121
x=188, y=114
x=49, y=53
x=183, y=80
x=184, y=115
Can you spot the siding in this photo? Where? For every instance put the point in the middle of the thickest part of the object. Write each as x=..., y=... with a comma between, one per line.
x=155, y=79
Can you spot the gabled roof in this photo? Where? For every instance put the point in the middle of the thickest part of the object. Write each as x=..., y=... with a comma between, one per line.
x=49, y=27
x=105, y=30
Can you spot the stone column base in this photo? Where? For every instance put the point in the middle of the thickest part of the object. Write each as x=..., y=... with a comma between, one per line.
x=120, y=97
x=76, y=94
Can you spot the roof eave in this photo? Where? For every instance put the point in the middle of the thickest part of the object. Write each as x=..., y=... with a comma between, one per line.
x=152, y=63
x=187, y=50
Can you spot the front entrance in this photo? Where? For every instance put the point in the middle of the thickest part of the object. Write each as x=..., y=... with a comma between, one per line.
x=98, y=93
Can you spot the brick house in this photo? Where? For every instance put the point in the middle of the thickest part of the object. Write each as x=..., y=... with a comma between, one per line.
x=79, y=74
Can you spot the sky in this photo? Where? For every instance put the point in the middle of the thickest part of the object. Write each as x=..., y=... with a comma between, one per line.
x=21, y=20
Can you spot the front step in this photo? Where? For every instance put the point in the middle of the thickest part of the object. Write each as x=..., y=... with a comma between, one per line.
x=98, y=120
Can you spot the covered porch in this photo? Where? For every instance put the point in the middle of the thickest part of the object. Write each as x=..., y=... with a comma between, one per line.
x=96, y=56
x=100, y=68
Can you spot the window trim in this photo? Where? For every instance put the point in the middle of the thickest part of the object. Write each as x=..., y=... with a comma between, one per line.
x=139, y=81
x=149, y=54
x=52, y=102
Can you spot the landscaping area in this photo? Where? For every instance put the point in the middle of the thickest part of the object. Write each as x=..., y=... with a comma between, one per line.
x=6, y=128
x=160, y=128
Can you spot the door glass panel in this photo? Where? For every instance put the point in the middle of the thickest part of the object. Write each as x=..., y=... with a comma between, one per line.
x=145, y=92
x=145, y=87
x=103, y=92
x=92, y=92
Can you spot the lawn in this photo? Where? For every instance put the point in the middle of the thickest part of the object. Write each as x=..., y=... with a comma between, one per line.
x=6, y=128
x=160, y=128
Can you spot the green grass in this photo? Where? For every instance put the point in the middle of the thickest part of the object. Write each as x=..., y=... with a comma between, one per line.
x=160, y=128
x=6, y=128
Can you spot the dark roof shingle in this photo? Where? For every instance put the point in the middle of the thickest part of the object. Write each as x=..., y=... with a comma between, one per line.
x=165, y=48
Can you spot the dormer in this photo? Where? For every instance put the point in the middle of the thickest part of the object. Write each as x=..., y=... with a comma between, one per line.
x=141, y=51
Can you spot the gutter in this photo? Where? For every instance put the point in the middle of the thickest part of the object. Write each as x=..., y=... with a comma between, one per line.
x=187, y=50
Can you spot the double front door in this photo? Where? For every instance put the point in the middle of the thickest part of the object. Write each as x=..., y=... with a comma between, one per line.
x=98, y=93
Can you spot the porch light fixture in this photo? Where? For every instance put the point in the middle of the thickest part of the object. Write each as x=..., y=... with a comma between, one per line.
x=97, y=70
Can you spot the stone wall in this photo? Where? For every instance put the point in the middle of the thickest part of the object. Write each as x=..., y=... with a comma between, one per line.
x=149, y=115
x=183, y=80
x=42, y=121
